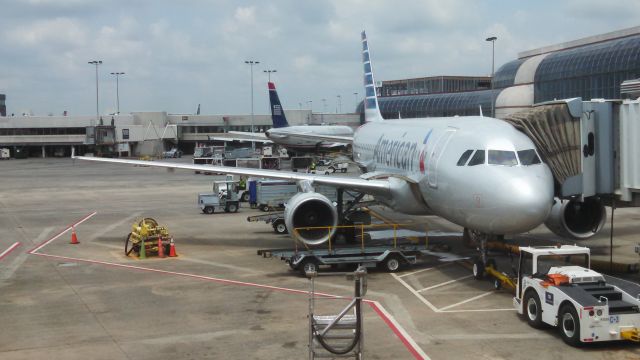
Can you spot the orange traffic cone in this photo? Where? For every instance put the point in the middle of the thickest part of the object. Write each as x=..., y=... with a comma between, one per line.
x=74, y=237
x=160, y=247
x=172, y=249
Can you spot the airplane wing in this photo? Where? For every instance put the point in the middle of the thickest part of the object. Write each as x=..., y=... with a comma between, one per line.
x=374, y=187
x=249, y=134
x=239, y=137
x=324, y=138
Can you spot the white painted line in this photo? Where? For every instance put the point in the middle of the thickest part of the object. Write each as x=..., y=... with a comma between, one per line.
x=9, y=249
x=404, y=337
x=445, y=283
x=477, y=310
x=417, y=294
x=422, y=270
x=435, y=309
x=466, y=301
x=63, y=232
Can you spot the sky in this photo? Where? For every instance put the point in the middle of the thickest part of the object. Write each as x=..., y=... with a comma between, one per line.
x=178, y=54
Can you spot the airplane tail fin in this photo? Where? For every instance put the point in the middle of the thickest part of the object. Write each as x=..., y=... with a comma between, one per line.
x=277, y=114
x=371, y=109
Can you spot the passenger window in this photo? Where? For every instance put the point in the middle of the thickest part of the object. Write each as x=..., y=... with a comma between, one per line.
x=500, y=157
x=477, y=159
x=464, y=157
x=528, y=157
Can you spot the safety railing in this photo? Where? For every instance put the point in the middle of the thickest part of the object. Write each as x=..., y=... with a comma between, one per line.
x=360, y=228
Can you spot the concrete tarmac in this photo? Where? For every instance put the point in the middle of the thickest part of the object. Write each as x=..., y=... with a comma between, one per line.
x=218, y=299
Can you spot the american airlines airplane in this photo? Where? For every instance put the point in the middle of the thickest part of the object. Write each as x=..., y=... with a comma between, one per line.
x=300, y=138
x=477, y=172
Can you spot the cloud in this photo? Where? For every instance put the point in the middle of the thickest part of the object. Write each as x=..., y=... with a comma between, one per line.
x=59, y=32
x=178, y=54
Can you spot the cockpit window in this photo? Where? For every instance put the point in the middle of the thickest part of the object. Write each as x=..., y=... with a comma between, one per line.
x=501, y=157
x=528, y=157
x=477, y=159
x=464, y=157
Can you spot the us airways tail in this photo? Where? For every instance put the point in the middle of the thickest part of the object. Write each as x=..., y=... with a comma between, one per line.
x=277, y=114
x=371, y=109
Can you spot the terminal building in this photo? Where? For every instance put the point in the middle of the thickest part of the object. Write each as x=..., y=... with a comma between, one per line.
x=137, y=133
x=3, y=107
x=589, y=68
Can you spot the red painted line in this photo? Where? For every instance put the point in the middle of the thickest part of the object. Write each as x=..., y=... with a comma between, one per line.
x=375, y=305
x=193, y=276
x=62, y=232
x=9, y=249
x=396, y=331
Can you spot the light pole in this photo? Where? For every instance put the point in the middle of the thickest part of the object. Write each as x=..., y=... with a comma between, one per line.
x=96, y=63
x=324, y=105
x=310, y=103
x=493, y=55
x=355, y=98
x=251, y=63
x=268, y=72
x=117, y=74
x=339, y=107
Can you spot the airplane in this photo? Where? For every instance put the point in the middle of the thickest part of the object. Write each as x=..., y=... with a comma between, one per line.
x=286, y=135
x=475, y=171
x=300, y=138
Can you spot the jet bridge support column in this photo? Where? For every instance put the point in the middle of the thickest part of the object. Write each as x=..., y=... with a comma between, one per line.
x=340, y=206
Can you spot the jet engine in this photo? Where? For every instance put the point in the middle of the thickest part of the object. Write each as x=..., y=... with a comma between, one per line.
x=313, y=217
x=576, y=220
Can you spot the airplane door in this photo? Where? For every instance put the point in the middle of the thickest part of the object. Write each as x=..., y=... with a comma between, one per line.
x=434, y=156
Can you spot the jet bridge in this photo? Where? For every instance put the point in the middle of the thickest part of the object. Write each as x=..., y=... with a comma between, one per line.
x=592, y=149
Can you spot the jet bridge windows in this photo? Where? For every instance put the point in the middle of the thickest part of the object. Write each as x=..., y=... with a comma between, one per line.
x=528, y=157
x=477, y=159
x=465, y=156
x=502, y=157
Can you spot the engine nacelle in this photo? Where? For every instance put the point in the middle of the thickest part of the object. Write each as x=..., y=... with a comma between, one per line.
x=312, y=210
x=576, y=220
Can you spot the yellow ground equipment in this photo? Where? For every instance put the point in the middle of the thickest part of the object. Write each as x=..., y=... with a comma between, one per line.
x=147, y=232
x=501, y=279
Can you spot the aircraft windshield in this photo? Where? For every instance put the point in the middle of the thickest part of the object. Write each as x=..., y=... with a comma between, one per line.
x=477, y=159
x=528, y=157
x=465, y=156
x=500, y=157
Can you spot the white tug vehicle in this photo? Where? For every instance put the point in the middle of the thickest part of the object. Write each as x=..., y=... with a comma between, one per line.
x=556, y=287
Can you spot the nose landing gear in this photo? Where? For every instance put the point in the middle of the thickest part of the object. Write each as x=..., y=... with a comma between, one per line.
x=482, y=264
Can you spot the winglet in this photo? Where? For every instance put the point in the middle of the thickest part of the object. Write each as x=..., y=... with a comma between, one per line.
x=277, y=114
x=480, y=110
x=371, y=109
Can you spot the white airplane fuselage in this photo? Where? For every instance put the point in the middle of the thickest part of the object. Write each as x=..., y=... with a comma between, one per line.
x=492, y=198
x=286, y=136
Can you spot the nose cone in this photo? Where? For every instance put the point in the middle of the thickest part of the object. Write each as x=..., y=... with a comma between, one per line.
x=527, y=202
x=526, y=199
